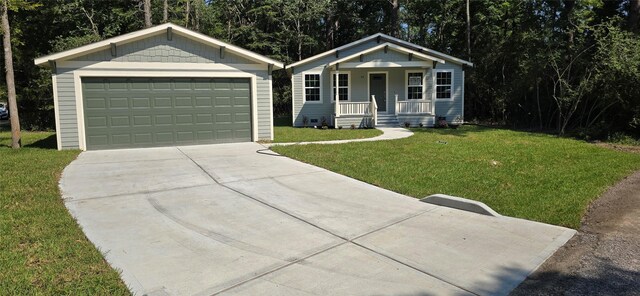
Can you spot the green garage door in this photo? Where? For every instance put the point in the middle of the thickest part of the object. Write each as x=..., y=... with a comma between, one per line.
x=152, y=112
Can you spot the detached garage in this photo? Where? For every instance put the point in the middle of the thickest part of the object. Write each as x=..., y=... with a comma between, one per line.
x=161, y=86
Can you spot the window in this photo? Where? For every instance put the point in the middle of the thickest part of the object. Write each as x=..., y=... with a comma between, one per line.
x=312, y=87
x=343, y=86
x=414, y=86
x=443, y=85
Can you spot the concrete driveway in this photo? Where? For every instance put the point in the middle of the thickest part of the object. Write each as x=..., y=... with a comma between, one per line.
x=236, y=219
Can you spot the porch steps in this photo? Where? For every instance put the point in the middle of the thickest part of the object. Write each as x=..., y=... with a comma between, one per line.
x=387, y=120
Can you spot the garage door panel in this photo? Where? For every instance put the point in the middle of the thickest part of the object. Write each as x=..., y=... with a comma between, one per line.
x=242, y=118
x=96, y=103
x=142, y=120
x=222, y=101
x=118, y=103
x=182, y=84
x=204, y=118
x=162, y=102
x=241, y=101
x=186, y=136
x=143, y=138
x=164, y=137
x=163, y=120
x=147, y=112
x=121, y=139
x=181, y=102
x=184, y=119
x=204, y=102
x=139, y=103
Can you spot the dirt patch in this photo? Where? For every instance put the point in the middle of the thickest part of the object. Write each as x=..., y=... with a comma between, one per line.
x=618, y=147
x=603, y=258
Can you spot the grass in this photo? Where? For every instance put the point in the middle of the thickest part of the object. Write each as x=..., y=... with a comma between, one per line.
x=287, y=134
x=42, y=249
x=283, y=132
x=533, y=176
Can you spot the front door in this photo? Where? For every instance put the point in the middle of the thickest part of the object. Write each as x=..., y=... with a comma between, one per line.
x=378, y=88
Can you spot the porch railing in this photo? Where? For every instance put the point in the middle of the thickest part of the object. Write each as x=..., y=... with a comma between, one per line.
x=355, y=108
x=413, y=107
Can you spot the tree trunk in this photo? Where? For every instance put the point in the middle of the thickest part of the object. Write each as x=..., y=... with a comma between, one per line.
x=634, y=16
x=165, y=11
x=188, y=11
x=147, y=13
x=468, y=31
x=329, y=25
x=11, y=88
x=196, y=12
x=395, y=25
x=565, y=15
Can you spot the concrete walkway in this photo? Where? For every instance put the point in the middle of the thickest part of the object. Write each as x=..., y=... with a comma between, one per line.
x=388, y=133
x=237, y=219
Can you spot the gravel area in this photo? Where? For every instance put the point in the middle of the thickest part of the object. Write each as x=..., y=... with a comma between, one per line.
x=604, y=257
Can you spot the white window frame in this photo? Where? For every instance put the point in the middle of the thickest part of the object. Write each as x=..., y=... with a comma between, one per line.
x=435, y=84
x=333, y=92
x=424, y=85
x=304, y=87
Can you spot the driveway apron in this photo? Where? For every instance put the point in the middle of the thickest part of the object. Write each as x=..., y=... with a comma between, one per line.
x=238, y=219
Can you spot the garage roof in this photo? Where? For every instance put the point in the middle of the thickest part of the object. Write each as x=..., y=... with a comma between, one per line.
x=141, y=34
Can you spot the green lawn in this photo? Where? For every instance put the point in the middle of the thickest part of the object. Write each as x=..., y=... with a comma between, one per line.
x=528, y=175
x=42, y=249
x=287, y=134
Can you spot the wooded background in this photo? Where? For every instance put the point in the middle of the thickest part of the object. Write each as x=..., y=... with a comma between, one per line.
x=561, y=66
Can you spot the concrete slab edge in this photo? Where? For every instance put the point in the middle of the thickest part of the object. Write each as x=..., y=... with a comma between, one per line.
x=460, y=203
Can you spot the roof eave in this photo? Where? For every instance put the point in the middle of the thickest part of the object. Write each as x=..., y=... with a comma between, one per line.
x=104, y=44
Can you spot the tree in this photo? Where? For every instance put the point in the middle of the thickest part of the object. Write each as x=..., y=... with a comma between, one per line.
x=634, y=16
x=147, y=13
x=394, y=18
x=16, y=141
x=468, y=31
x=165, y=11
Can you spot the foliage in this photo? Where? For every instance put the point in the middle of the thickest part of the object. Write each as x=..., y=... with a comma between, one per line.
x=587, y=51
x=528, y=175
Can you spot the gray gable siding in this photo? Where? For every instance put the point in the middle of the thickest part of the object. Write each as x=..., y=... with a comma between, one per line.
x=451, y=108
x=67, y=109
x=158, y=49
x=263, y=87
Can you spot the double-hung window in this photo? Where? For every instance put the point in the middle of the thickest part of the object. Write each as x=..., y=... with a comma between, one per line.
x=444, y=82
x=343, y=86
x=415, y=85
x=312, y=87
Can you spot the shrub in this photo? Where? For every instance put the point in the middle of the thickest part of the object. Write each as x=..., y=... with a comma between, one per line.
x=407, y=124
x=324, y=123
x=353, y=126
x=305, y=121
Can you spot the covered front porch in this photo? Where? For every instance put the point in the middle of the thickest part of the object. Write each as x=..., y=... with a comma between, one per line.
x=383, y=87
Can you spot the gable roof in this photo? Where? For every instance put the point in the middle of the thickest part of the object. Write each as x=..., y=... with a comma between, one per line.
x=390, y=46
x=144, y=33
x=389, y=39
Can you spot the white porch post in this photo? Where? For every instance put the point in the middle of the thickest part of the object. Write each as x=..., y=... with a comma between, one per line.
x=335, y=94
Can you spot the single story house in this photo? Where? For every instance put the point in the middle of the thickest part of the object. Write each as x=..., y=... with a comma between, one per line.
x=381, y=81
x=161, y=86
